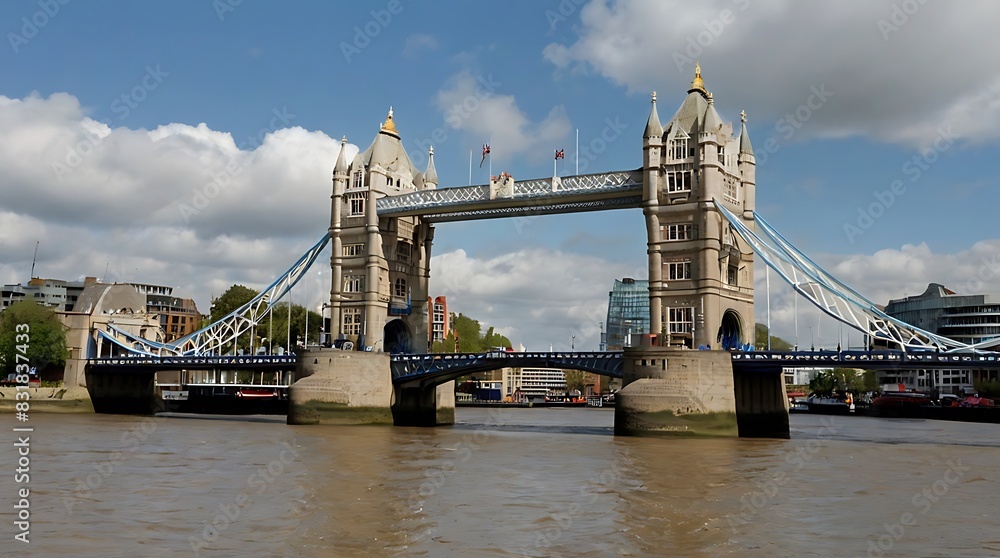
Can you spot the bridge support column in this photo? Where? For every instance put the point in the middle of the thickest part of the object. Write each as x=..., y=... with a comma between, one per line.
x=761, y=404
x=419, y=406
x=123, y=393
x=340, y=387
x=676, y=392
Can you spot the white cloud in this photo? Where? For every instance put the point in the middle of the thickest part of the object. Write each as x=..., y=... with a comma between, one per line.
x=538, y=297
x=418, y=43
x=895, y=76
x=471, y=104
x=880, y=277
x=98, y=198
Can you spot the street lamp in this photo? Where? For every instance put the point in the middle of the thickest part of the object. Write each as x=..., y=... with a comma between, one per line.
x=812, y=339
x=572, y=343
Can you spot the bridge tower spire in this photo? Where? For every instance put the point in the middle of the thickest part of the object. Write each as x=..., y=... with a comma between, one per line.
x=700, y=272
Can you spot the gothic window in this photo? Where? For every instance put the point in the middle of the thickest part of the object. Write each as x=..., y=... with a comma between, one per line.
x=679, y=181
x=357, y=181
x=357, y=203
x=731, y=194
x=678, y=148
x=722, y=155
x=681, y=320
x=679, y=270
x=684, y=231
x=399, y=288
x=354, y=283
x=351, y=321
x=403, y=252
x=354, y=249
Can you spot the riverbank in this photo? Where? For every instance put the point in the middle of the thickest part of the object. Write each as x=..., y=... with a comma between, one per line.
x=48, y=400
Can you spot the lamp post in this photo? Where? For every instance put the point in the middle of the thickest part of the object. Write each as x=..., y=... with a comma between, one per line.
x=572, y=343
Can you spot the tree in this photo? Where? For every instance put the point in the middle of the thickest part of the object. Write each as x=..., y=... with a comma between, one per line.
x=470, y=339
x=760, y=339
x=272, y=331
x=824, y=383
x=575, y=380
x=33, y=331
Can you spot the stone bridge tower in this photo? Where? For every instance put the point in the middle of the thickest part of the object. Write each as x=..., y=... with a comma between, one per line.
x=381, y=267
x=700, y=272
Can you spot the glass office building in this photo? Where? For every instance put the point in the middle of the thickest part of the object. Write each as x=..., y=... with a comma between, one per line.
x=628, y=313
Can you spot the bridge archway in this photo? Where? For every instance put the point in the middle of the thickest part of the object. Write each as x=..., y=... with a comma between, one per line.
x=731, y=331
x=397, y=337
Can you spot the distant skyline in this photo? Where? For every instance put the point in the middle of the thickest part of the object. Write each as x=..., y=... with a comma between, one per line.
x=192, y=143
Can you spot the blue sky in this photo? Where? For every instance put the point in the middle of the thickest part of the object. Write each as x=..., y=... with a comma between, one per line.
x=155, y=97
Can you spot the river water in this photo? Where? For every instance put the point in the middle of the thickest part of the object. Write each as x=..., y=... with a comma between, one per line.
x=511, y=482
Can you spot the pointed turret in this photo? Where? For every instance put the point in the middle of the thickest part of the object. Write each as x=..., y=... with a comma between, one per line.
x=341, y=167
x=745, y=146
x=712, y=120
x=653, y=127
x=430, y=175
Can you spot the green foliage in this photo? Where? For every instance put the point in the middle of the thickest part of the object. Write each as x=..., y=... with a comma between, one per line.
x=575, y=380
x=43, y=341
x=272, y=331
x=760, y=340
x=843, y=379
x=987, y=388
x=470, y=337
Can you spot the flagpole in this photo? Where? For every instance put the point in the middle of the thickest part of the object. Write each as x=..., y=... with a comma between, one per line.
x=767, y=277
x=470, y=167
x=491, y=157
x=578, y=151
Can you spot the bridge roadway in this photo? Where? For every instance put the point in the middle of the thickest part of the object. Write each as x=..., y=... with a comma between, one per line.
x=427, y=370
x=225, y=362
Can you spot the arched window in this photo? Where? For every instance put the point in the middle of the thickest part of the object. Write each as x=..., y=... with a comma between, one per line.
x=400, y=287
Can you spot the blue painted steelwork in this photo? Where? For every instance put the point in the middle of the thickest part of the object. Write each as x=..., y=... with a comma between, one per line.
x=211, y=339
x=835, y=298
x=429, y=370
x=875, y=360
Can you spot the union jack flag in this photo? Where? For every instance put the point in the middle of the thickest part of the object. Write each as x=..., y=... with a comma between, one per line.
x=486, y=151
x=560, y=154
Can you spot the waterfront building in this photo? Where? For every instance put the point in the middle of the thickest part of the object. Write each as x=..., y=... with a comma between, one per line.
x=628, y=313
x=969, y=318
x=54, y=293
x=178, y=316
x=438, y=325
x=533, y=384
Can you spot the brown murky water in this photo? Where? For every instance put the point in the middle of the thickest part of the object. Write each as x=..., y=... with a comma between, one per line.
x=519, y=482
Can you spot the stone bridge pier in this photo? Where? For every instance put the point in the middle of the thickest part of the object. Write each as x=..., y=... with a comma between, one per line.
x=123, y=393
x=671, y=391
x=352, y=387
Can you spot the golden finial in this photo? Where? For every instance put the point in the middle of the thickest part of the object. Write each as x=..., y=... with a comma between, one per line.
x=743, y=116
x=389, y=125
x=697, y=83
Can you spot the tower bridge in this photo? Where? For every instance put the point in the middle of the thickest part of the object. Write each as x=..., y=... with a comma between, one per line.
x=696, y=187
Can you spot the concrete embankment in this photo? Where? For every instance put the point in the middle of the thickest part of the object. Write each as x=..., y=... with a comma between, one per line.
x=48, y=400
